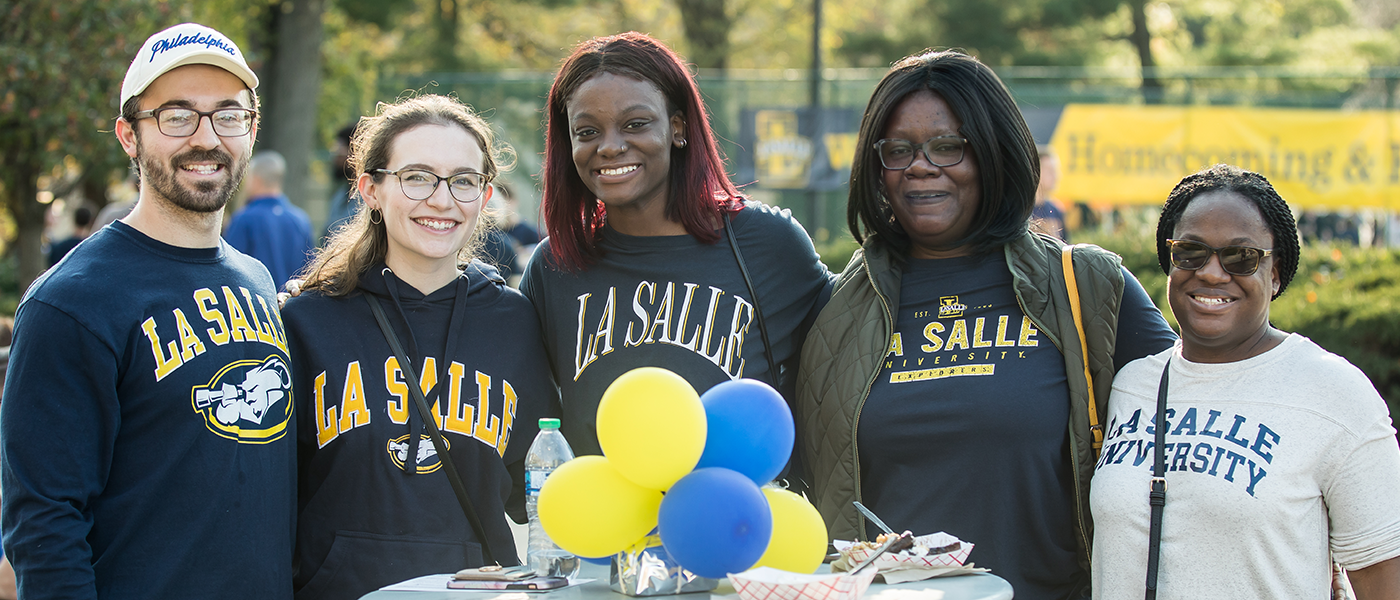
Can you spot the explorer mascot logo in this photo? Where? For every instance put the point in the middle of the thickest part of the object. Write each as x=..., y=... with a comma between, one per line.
x=247, y=401
x=427, y=460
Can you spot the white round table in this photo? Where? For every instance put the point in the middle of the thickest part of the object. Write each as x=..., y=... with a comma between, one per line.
x=983, y=586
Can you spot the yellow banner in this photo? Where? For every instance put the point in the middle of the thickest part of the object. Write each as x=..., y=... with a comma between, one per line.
x=1314, y=158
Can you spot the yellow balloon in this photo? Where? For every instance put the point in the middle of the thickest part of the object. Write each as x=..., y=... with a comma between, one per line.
x=651, y=425
x=591, y=510
x=799, y=534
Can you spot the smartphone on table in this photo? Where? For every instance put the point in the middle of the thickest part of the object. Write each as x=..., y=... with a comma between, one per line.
x=531, y=584
x=495, y=573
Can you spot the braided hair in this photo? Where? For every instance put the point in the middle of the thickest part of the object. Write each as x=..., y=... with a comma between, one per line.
x=1248, y=184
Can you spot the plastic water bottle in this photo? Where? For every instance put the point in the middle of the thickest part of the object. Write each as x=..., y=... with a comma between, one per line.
x=547, y=452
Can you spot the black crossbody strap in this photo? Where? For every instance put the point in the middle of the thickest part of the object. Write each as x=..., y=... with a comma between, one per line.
x=440, y=444
x=1158, y=496
x=753, y=296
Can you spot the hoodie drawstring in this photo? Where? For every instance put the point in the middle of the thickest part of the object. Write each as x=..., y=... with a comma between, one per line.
x=434, y=395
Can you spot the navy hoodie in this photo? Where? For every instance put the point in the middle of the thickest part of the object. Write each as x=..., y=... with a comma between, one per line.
x=373, y=506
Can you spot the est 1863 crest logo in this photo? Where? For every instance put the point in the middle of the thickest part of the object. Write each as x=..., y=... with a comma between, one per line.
x=248, y=401
x=949, y=306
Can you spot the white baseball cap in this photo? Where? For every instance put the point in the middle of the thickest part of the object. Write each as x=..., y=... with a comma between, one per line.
x=184, y=44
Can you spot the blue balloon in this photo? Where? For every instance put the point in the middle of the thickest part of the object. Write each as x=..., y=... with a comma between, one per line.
x=749, y=429
x=715, y=522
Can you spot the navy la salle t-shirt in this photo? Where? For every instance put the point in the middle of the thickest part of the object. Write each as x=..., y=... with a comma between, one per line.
x=966, y=428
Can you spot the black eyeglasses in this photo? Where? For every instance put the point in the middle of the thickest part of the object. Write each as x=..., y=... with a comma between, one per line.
x=941, y=151
x=418, y=184
x=176, y=121
x=1235, y=260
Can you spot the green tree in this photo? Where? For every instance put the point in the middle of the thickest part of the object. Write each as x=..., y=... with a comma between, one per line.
x=1141, y=38
x=1323, y=33
x=282, y=40
x=289, y=84
x=707, y=24
x=64, y=63
x=999, y=32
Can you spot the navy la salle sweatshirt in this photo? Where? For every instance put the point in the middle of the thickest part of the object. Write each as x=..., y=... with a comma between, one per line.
x=375, y=506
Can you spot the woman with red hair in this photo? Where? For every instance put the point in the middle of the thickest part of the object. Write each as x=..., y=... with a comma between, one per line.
x=654, y=257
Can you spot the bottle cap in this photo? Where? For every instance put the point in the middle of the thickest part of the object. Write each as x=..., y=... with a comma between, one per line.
x=549, y=423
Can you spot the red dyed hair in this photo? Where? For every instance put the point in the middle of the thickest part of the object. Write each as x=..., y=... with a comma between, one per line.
x=700, y=189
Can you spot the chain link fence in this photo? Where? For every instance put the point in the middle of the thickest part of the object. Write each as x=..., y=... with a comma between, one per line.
x=514, y=103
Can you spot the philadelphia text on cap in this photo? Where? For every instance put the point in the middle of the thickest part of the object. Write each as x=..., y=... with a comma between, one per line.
x=183, y=40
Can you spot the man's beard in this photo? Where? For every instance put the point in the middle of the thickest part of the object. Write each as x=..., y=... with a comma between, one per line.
x=202, y=197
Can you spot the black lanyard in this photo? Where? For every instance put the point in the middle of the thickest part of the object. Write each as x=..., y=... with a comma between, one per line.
x=411, y=375
x=773, y=374
x=1158, y=496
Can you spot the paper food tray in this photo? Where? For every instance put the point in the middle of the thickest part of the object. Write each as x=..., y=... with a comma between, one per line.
x=955, y=558
x=766, y=583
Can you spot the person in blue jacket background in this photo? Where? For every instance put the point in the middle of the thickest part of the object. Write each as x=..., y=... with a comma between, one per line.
x=269, y=227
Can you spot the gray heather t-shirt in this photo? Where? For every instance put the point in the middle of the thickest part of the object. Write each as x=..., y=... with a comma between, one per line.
x=1276, y=466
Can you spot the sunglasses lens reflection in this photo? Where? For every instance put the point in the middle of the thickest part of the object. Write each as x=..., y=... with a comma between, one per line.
x=1239, y=260
x=1190, y=255
x=1235, y=260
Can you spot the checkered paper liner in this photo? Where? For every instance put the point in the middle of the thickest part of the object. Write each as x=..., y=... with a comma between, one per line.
x=765, y=583
x=956, y=558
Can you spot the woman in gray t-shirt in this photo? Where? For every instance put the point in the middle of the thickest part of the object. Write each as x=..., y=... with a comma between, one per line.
x=1280, y=457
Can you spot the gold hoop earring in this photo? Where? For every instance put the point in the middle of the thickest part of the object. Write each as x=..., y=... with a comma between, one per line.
x=372, y=213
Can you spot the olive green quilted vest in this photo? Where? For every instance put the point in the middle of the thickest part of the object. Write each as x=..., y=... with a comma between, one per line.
x=851, y=336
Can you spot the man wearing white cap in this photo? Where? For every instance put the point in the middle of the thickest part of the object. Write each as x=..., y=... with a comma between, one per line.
x=146, y=440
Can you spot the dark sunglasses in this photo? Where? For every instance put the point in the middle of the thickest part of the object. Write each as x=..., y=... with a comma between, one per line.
x=1235, y=260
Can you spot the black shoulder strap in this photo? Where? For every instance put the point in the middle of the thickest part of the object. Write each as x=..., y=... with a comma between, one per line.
x=757, y=312
x=439, y=443
x=1158, y=495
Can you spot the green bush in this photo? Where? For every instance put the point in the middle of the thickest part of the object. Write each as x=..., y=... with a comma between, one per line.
x=837, y=253
x=1348, y=301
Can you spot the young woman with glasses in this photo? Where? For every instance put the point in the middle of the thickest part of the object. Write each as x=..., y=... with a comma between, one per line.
x=376, y=503
x=1279, y=457
x=945, y=386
